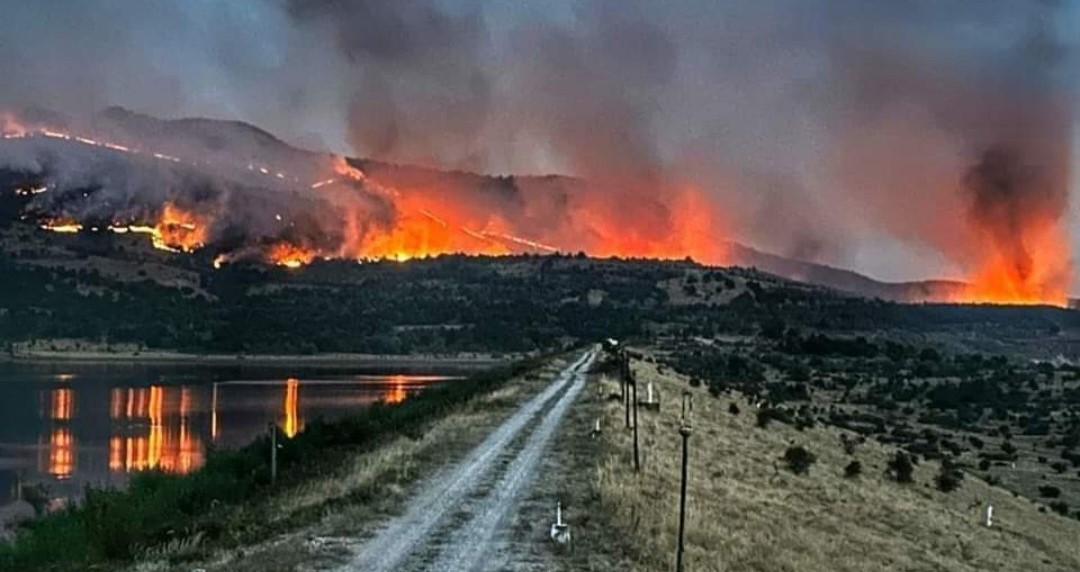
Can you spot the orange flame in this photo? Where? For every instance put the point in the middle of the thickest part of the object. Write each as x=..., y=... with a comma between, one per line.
x=1039, y=278
x=62, y=225
x=179, y=229
x=288, y=255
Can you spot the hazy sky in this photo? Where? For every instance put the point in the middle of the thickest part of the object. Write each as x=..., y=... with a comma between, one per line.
x=760, y=101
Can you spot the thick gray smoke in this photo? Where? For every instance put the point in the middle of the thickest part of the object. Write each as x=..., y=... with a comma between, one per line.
x=816, y=125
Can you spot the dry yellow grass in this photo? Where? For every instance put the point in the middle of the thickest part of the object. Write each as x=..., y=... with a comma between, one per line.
x=746, y=515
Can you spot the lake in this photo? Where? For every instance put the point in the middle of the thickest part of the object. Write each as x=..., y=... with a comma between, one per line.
x=70, y=425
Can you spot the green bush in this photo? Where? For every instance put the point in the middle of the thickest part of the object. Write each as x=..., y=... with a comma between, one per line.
x=799, y=459
x=948, y=478
x=1049, y=491
x=902, y=468
x=853, y=469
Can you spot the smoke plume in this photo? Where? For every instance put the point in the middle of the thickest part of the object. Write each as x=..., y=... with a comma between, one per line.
x=809, y=127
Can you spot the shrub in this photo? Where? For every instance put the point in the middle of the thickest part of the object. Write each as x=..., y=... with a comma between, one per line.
x=799, y=459
x=766, y=415
x=733, y=409
x=901, y=468
x=853, y=469
x=984, y=465
x=1060, y=507
x=1049, y=491
x=948, y=478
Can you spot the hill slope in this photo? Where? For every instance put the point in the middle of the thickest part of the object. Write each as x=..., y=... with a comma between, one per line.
x=245, y=144
x=748, y=512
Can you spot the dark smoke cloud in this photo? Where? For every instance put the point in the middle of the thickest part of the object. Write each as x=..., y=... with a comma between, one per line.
x=816, y=123
x=936, y=102
x=420, y=91
x=1005, y=197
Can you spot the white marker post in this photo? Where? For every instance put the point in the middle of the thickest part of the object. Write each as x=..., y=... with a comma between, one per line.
x=560, y=531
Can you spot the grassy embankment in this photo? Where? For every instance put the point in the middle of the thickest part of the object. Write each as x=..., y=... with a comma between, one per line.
x=230, y=503
x=749, y=512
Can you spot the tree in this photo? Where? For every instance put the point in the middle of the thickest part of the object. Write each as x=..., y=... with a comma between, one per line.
x=948, y=478
x=1049, y=491
x=853, y=469
x=901, y=468
x=799, y=459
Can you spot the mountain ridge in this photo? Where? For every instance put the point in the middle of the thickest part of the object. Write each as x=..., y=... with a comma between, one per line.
x=252, y=143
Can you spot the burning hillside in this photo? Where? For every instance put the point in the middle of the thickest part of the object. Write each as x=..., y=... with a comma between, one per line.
x=187, y=198
x=295, y=207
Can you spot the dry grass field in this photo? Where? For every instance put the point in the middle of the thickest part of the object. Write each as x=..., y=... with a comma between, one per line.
x=749, y=512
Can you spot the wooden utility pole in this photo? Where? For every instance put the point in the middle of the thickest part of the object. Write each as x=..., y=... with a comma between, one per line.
x=637, y=457
x=626, y=387
x=622, y=375
x=685, y=430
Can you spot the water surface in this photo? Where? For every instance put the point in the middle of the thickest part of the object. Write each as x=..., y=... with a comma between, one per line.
x=72, y=425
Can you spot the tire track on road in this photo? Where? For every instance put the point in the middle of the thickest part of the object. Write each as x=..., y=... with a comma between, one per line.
x=441, y=496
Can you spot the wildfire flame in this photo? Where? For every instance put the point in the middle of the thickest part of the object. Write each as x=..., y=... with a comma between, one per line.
x=424, y=219
x=1016, y=210
x=61, y=225
x=289, y=255
x=179, y=229
x=1039, y=278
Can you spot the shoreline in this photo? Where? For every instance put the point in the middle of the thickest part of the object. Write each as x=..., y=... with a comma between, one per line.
x=168, y=357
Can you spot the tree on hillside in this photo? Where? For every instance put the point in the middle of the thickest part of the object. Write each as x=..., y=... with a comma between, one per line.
x=901, y=468
x=853, y=469
x=799, y=459
x=1049, y=491
x=948, y=478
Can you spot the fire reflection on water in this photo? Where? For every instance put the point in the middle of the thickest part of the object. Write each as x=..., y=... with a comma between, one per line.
x=291, y=424
x=61, y=404
x=167, y=428
x=58, y=453
x=397, y=391
x=61, y=453
x=153, y=430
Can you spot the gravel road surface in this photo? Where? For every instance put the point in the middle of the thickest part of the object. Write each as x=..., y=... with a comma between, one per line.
x=453, y=522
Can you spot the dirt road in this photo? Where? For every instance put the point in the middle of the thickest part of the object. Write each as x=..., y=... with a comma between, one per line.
x=454, y=521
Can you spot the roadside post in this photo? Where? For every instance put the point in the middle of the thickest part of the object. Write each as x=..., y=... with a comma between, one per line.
x=626, y=386
x=273, y=453
x=622, y=374
x=685, y=430
x=637, y=456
